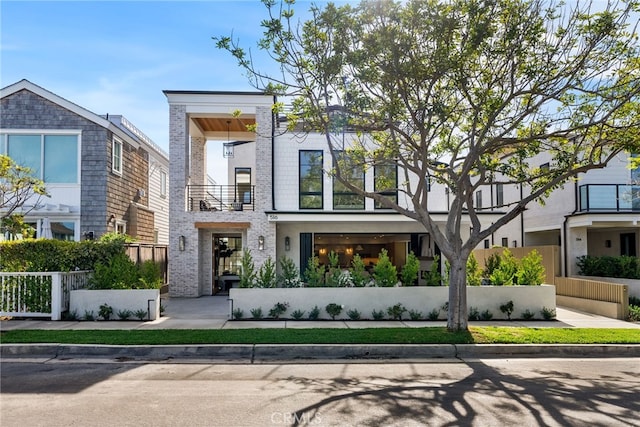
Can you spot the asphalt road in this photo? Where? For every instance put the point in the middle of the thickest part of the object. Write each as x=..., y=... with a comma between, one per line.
x=492, y=392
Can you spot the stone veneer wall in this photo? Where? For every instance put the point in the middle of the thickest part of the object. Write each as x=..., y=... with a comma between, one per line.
x=190, y=270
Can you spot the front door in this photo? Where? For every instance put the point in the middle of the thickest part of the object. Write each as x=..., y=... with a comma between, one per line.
x=227, y=254
x=628, y=244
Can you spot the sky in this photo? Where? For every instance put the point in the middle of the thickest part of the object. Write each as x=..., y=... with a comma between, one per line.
x=117, y=57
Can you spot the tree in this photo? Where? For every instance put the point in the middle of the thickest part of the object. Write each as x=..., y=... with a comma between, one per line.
x=17, y=186
x=461, y=92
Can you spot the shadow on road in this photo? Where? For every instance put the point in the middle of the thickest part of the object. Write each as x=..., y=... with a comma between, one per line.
x=488, y=396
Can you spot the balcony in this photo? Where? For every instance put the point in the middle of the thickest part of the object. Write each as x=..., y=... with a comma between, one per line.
x=609, y=198
x=214, y=198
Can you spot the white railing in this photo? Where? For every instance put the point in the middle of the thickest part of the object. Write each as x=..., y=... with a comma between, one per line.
x=38, y=294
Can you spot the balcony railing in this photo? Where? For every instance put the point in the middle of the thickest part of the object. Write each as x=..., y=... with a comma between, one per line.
x=609, y=197
x=214, y=198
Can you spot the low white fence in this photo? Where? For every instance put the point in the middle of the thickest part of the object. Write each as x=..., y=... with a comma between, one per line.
x=37, y=294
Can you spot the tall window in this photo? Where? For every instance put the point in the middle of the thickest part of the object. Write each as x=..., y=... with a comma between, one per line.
x=51, y=157
x=116, y=156
x=635, y=172
x=499, y=194
x=478, y=199
x=243, y=185
x=310, y=179
x=352, y=172
x=163, y=184
x=386, y=182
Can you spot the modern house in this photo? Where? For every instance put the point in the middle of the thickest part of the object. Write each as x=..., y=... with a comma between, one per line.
x=101, y=172
x=279, y=200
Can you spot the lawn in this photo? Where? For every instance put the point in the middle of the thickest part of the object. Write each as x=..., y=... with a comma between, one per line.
x=431, y=335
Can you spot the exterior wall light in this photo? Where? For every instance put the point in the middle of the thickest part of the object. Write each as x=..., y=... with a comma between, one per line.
x=181, y=243
x=287, y=243
x=260, y=243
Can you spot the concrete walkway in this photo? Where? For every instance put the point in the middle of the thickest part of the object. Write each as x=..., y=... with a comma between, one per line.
x=212, y=313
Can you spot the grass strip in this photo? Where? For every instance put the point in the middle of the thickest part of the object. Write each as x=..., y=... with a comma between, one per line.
x=431, y=335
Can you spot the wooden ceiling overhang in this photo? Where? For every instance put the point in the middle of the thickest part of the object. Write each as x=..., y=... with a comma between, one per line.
x=225, y=127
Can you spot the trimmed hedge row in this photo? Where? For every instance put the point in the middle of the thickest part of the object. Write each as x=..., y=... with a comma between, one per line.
x=56, y=255
x=626, y=267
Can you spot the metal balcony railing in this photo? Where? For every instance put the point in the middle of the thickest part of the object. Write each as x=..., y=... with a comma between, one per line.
x=214, y=198
x=609, y=198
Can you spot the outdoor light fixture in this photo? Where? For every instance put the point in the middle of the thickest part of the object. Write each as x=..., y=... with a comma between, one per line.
x=287, y=243
x=181, y=243
x=260, y=243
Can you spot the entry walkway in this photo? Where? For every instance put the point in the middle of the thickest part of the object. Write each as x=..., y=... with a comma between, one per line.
x=212, y=313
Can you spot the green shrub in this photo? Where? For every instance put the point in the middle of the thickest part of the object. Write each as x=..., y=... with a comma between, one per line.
x=492, y=264
x=314, y=274
x=474, y=273
x=433, y=314
x=334, y=310
x=486, y=315
x=140, y=314
x=433, y=276
x=314, y=313
x=505, y=274
x=531, y=271
x=298, y=314
x=396, y=311
x=247, y=274
x=266, y=277
x=150, y=275
x=256, y=313
x=118, y=273
x=124, y=314
x=289, y=275
x=548, y=313
x=353, y=314
x=626, y=267
x=105, y=311
x=359, y=276
x=507, y=308
x=474, y=314
x=238, y=313
x=89, y=315
x=409, y=273
x=377, y=315
x=333, y=278
x=634, y=313
x=278, y=309
x=415, y=315
x=384, y=272
x=527, y=315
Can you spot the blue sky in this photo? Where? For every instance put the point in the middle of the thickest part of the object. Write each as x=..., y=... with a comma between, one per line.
x=117, y=57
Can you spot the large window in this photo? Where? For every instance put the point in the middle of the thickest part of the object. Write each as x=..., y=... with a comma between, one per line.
x=310, y=179
x=51, y=157
x=499, y=195
x=352, y=172
x=163, y=184
x=386, y=182
x=243, y=185
x=116, y=156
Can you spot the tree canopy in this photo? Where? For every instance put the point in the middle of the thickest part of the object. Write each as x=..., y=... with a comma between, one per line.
x=461, y=92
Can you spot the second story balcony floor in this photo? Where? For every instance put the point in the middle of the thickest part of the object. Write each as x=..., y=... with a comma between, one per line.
x=215, y=198
x=609, y=198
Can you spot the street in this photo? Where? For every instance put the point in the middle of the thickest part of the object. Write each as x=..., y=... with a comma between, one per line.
x=489, y=392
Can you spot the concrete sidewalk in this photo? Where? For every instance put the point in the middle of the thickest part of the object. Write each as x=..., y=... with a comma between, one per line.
x=212, y=313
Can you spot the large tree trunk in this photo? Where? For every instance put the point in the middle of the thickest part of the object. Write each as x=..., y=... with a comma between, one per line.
x=457, y=316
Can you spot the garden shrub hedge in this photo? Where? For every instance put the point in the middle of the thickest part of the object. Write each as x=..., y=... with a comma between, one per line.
x=626, y=267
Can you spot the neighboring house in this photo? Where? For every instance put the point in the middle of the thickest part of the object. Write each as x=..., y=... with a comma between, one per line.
x=279, y=202
x=597, y=214
x=101, y=172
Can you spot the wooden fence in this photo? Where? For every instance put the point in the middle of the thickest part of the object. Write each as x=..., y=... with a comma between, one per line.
x=141, y=252
x=609, y=299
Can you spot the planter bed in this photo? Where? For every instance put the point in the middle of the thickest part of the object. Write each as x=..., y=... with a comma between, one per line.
x=85, y=300
x=423, y=299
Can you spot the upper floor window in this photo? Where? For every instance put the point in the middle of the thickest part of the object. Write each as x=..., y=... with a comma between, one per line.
x=163, y=184
x=386, y=182
x=478, y=199
x=116, y=156
x=499, y=194
x=243, y=185
x=310, y=179
x=635, y=172
x=352, y=172
x=53, y=158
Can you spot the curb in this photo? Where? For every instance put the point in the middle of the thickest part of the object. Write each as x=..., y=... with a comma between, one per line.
x=248, y=353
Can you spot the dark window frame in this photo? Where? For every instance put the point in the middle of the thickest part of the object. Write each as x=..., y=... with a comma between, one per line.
x=303, y=194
